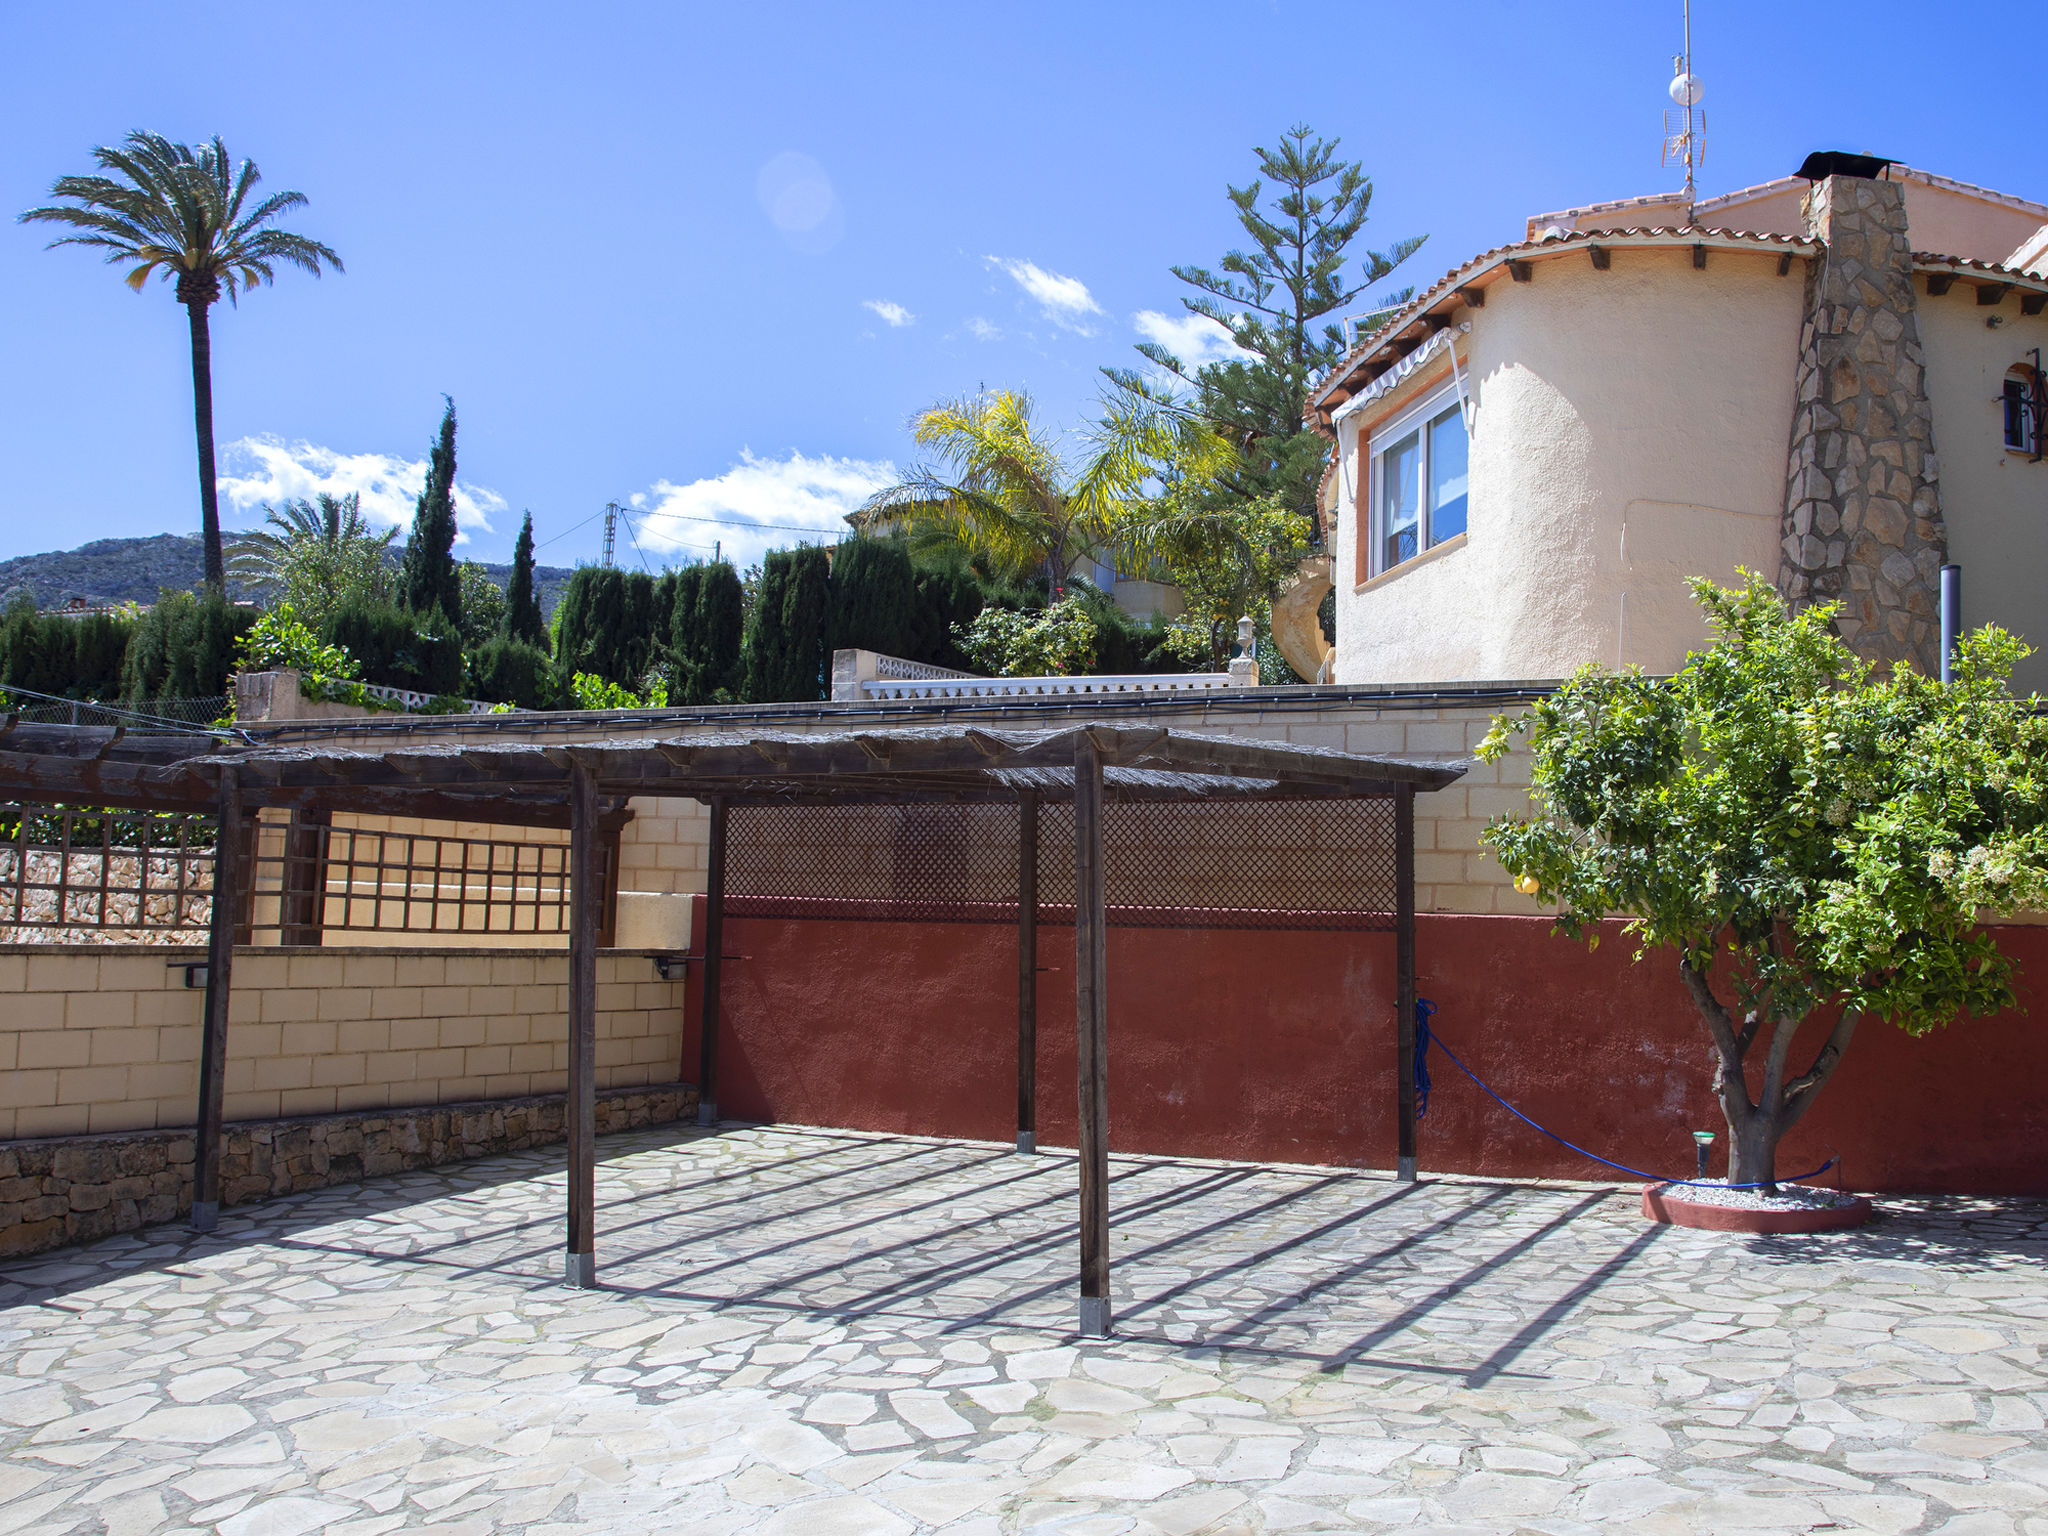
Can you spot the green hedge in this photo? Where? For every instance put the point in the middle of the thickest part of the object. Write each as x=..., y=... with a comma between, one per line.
x=394, y=648
x=183, y=648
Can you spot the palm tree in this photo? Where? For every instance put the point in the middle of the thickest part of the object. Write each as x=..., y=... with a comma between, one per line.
x=322, y=555
x=1002, y=488
x=181, y=209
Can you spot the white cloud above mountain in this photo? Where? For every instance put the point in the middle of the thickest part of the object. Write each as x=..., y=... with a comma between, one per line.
x=892, y=313
x=269, y=469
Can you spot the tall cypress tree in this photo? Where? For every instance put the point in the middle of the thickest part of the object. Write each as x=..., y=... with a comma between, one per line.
x=874, y=597
x=523, y=619
x=785, y=643
x=608, y=625
x=428, y=581
x=704, y=636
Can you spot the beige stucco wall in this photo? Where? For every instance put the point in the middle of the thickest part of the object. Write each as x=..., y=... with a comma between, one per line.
x=104, y=1039
x=1630, y=429
x=1995, y=502
x=1948, y=222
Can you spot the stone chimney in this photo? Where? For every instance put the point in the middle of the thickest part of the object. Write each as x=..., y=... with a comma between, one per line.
x=1863, y=523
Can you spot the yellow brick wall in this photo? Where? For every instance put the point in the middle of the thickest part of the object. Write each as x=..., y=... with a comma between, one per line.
x=108, y=1040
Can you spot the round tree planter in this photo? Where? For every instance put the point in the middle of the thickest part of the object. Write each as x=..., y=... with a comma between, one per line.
x=1667, y=1203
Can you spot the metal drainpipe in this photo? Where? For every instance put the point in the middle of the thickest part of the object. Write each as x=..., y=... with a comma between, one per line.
x=1951, y=618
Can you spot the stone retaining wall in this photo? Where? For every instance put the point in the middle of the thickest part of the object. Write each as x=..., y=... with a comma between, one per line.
x=78, y=1188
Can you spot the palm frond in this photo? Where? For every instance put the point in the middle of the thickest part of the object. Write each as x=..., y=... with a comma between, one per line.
x=180, y=209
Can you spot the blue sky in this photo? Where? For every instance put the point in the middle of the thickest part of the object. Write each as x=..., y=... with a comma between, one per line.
x=709, y=260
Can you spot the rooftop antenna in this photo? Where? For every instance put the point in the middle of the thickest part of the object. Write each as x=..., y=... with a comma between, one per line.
x=1689, y=142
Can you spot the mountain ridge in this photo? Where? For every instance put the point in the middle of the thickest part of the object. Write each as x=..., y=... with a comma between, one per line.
x=134, y=570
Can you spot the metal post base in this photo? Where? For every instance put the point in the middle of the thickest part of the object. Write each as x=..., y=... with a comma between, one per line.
x=707, y=1114
x=1404, y=1169
x=1094, y=1317
x=580, y=1270
x=205, y=1215
x=1027, y=1141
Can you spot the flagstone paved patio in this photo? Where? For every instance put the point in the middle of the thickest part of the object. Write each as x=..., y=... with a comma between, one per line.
x=817, y=1332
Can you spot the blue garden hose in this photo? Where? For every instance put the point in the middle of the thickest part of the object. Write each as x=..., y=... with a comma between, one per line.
x=1424, y=1038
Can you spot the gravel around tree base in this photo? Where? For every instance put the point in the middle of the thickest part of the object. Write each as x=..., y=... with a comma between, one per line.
x=1790, y=1197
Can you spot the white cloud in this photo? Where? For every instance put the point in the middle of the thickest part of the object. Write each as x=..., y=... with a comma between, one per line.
x=892, y=313
x=1066, y=301
x=269, y=469
x=758, y=505
x=1194, y=339
x=981, y=330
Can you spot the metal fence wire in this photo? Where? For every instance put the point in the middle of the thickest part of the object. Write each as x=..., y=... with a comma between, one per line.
x=1321, y=864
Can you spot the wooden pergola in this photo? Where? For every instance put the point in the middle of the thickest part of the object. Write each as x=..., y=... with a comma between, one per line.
x=581, y=786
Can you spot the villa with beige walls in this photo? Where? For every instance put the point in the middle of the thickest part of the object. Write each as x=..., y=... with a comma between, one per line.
x=1832, y=379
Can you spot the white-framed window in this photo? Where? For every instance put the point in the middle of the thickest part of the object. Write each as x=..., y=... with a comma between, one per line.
x=2024, y=410
x=1419, y=478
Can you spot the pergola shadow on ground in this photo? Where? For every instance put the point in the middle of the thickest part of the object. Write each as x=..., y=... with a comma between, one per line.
x=1318, y=1269
x=1087, y=768
x=801, y=1331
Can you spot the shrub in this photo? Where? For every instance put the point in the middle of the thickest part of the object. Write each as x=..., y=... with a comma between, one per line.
x=398, y=649
x=1059, y=642
x=279, y=639
x=591, y=692
x=508, y=671
x=183, y=648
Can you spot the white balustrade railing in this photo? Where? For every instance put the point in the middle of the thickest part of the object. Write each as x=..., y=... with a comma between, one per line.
x=897, y=669
x=415, y=702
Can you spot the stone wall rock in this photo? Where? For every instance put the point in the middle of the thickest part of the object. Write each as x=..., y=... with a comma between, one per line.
x=1863, y=522
x=74, y=1189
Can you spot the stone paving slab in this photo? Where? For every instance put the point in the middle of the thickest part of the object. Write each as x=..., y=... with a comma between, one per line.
x=822, y=1333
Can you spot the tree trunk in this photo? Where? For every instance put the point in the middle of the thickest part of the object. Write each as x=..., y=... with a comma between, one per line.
x=1756, y=1126
x=1753, y=1150
x=202, y=421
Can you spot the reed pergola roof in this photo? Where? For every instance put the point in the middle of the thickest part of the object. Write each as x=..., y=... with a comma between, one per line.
x=582, y=785
x=528, y=782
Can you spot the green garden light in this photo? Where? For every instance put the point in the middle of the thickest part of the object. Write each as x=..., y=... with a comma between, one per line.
x=1701, y=1141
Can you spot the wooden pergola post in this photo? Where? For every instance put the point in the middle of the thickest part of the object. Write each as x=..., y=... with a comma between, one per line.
x=714, y=967
x=585, y=897
x=213, y=1033
x=1404, y=982
x=1027, y=972
x=1091, y=1018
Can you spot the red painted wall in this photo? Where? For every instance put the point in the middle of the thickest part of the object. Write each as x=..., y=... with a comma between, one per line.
x=1279, y=1046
